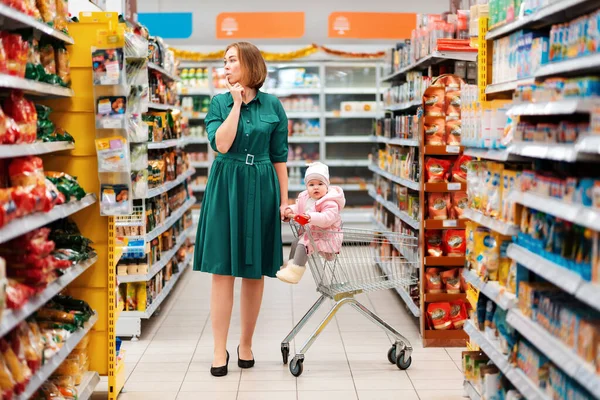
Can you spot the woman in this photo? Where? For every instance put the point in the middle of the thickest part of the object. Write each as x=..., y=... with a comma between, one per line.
x=239, y=234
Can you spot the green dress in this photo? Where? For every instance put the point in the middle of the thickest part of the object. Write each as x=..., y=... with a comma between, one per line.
x=239, y=232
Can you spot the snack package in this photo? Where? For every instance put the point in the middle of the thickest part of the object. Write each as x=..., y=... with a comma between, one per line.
x=19, y=371
x=433, y=239
x=24, y=114
x=62, y=14
x=7, y=383
x=458, y=314
x=438, y=204
x=433, y=101
x=439, y=315
x=63, y=63
x=433, y=282
x=437, y=170
x=452, y=104
x=16, y=50
x=434, y=128
x=48, y=58
x=459, y=204
x=26, y=171
x=453, y=132
x=454, y=242
x=460, y=168
x=474, y=192
x=47, y=10
x=451, y=281
x=493, y=196
x=113, y=154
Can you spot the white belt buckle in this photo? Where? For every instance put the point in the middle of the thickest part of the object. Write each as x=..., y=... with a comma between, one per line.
x=249, y=159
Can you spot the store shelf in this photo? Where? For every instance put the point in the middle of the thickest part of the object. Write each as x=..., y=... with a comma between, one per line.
x=471, y=392
x=28, y=223
x=162, y=107
x=11, y=318
x=198, y=188
x=492, y=290
x=445, y=223
x=578, y=214
x=573, y=105
x=161, y=296
x=574, y=66
x=357, y=115
x=550, y=151
x=442, y=150
x=19, y=20
x=294, y=91
x=32, y=149
x=54, y=362
x=194, y=115
x=492, y=349
x=410, y=304
x=165, y=187
x=164, y=260
x=347, y=163
x=432, y=59
x=494, y=224
x=31, y=87
x=492, y=154
x=560, y=354
x=507, y=86
x=165, y=144
x=351, y=90
x=159, y=230
x=406, y=252
x=565, y=279
x=163, y=72
x=404, y=182
x=403, y=106
x=348, y=139
x=349, y=187
x=442, y=187
x=86, y=388
x=201, y=164
x=303, y=115
x=195, y=140
x=443, y=297
x=304, y=139
x=395, y=210
x=444, y=261
x=396, y=141
x=192, y=91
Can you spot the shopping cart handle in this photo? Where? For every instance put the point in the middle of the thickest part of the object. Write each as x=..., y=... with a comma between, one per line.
x=301, y=219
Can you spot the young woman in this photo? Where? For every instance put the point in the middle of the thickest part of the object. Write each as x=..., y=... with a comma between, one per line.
x=239, y=234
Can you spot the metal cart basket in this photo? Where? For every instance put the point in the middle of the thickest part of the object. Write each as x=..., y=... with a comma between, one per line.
x=348, y=263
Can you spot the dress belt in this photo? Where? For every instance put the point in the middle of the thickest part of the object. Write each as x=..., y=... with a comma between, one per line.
x=249, y=160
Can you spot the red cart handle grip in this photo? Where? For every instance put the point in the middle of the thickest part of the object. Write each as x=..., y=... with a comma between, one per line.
x=301, y=219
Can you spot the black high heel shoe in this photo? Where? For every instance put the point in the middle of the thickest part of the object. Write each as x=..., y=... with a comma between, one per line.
x=245, y=364
x=220, y=371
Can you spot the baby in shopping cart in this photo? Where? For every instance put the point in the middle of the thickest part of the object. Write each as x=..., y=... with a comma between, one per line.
x=321, y=205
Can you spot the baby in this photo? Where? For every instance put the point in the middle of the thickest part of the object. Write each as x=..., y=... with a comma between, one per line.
x=321, y=205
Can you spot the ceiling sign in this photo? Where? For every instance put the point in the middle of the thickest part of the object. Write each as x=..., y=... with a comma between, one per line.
x=260, y=25
x=371, y=25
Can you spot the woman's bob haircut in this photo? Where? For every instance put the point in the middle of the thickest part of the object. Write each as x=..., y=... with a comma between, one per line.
x=252, y=63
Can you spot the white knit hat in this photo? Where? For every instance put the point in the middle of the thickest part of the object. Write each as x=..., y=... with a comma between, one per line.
x=317, y=171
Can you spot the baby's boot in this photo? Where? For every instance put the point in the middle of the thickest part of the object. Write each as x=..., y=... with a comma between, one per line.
x=292, y=273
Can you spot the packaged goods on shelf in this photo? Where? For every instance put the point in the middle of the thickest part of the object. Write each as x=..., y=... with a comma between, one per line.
x=399, y=196
x=54, y=14
x=162, y=91
x=197, y=131
x=303, y=152
x=400, y=162
x=576, y=38
x=446, y=170
x=166, y=166
x=196, y=78
x=410, y=91
x=519, y=55
x=449, y=242
x=163, y=125
x=486, y=255
x=304, y=127
x=442, y=112
x=191, y=104
x=399, y=126
x=300, y=104
x=198, y=156
x=447, y=315
x=293, y=78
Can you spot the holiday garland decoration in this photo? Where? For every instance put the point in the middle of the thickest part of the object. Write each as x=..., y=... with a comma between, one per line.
x=185, y=55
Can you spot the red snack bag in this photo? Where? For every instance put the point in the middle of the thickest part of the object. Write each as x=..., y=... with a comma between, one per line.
x=3, y=59
x=451, y=281
x=16, y=50
x=439, y=315
x=452, y=104
x=35, y=242
x=460, y=201
x=433, y=282
x=8, y=208
x=23, y=112
x=459, y=170
x=24, y=200
x=437, y=170
x=458, y=313
x=438, y=204
x=17, y=294
x=453, y=132
x=433, y=101
x=433, y=239
x=434, y=128
x=454, y=242
x=26, y=171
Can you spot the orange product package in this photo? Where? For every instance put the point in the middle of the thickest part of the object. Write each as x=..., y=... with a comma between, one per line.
x=454, y=242
x=437, y=170
x=451, y=82
x=434, y=128
x=439, y=315
x=452, y=103
x=458, y=313
x=453, y=132
x=26, y=171
x=438, y=204
x=459, y=170
x=451, y=281
x=433, y=283
x=433, y=240
x=459, y=203
x=433, y=101
x=24, y=113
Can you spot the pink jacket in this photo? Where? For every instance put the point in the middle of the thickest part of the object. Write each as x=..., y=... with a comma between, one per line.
x=326, y=217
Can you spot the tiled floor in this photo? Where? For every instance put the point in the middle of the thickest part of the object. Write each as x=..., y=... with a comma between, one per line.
x=172, y=358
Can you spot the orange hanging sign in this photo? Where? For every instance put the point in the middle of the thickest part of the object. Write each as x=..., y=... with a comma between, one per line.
x=371, y=25
x=260, y=25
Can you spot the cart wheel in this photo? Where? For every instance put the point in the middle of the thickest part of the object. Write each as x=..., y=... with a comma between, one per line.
x=401, y=362
x=296, y=367
x=392, y=355
x=285, y=352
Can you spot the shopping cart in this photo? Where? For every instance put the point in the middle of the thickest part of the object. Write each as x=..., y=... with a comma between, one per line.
x=364, y=263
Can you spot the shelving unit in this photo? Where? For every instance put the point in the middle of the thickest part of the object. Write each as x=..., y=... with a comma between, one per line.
x=33, y=149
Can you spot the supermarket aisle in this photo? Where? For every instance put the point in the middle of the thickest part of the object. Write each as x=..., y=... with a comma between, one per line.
x=172, y=359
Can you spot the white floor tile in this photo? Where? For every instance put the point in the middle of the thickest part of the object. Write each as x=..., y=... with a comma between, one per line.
x=328, y=395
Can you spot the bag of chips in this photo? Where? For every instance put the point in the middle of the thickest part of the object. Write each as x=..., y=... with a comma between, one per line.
x=26, y=171
x=454, y=242
x=437, y=170
x=433, y=101
x=434, y=128
x=433, y=239
x=451, y=281
x=459, y=204
x=438, y=204
x=453, y=132
x=458, y=313
x=460, y=168
x=433, y=282
x=24, y=114
x=439, y=315
x=47, y=10
x=452, y=104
